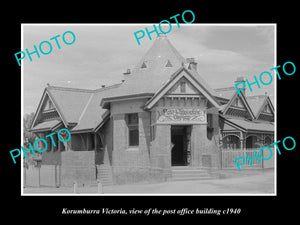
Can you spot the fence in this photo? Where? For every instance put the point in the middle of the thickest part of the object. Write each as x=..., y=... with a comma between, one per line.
x=45, y=175
x=229, y=155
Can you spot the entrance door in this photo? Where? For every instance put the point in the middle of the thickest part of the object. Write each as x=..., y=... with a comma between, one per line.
x=180, y=145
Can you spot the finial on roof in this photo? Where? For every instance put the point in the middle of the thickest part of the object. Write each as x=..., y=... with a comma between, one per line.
x=240, y=79
x=161, y=35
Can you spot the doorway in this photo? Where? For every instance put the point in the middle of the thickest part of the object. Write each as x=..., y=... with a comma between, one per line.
x=180, y=145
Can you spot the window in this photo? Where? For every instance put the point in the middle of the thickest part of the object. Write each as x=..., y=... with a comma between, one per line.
x=133, y=129
x=182, y=87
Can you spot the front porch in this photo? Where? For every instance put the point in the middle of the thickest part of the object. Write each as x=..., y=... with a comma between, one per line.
x=240, y=138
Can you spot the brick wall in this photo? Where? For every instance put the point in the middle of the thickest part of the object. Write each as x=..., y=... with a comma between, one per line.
x=160, y=152
x=51, y=158
x=130, y=164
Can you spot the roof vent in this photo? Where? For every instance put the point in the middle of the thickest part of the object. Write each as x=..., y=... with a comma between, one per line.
x=144, y=65
x=169, y=64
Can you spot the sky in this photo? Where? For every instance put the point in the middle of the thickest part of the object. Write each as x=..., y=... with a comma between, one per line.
x=101, y=54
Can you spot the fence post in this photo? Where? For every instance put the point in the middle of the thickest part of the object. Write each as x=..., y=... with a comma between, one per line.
x=39, y=174
x=75, y=187
x=262, y=160
x=100, y=187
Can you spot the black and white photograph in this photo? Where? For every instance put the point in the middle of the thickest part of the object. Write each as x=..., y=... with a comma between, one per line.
x=143, y=116
x=127, y=111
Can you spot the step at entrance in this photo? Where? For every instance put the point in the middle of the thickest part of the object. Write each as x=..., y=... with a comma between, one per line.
x=181, y=173
x=105, y=175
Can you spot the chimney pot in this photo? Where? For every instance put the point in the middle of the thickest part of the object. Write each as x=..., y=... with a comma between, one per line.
x=241, y=79
x=192, y=63
x=127, y=72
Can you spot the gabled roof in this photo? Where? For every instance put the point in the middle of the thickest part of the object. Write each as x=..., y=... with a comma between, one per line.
x=225, y=107
x=77, y=107
x=258, y=102
x=162, y=62
x=93, y=114
x=182, y=72
x=69, y=101
x=149, y=79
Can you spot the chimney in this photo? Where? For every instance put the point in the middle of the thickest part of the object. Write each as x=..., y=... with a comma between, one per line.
x=241, y=79
x=127, y=72
x=192, y=63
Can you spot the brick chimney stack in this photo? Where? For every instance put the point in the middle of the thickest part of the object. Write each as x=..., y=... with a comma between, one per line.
x=192, y=63
x=241, y=79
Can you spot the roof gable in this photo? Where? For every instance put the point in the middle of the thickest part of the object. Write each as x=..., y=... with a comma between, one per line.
x=183, y=86
x=171, y=86
x=262, y=107
x=47, y=108
x=238, y=107
x=266, y=110
x=78, y=108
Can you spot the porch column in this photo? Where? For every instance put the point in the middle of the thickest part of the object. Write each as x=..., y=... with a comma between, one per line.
x=242, y=143
x=241, y=140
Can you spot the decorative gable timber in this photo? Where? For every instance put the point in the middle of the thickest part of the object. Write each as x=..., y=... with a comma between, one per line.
x=47, y=108
x=183, y=86
x=239, y=107
x=170, y=87
x=266, y=111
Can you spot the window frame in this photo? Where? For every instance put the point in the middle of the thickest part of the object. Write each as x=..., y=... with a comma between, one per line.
x=132, y=127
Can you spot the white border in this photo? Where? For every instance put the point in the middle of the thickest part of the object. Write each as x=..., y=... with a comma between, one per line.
x=180, y=194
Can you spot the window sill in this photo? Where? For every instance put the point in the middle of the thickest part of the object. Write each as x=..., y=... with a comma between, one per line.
x=132, y=148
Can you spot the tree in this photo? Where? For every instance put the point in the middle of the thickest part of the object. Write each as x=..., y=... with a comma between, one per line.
x=28, y=136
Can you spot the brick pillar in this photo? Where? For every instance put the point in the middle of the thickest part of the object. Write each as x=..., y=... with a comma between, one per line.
x=198, y=136
x=144, y=138
x=160, y=153
x=119, y=138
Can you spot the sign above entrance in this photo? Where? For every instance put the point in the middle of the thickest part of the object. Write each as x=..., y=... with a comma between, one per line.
x=181, y=116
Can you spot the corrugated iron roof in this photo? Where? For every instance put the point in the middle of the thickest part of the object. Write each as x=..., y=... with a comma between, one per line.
x=46, y=125
x=252, y=125
x=79, y=106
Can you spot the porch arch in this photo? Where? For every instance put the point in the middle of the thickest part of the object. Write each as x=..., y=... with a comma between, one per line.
x=268, y=140
x=231, y=141
x=253, y=141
